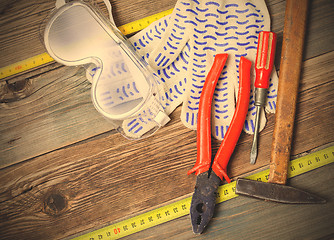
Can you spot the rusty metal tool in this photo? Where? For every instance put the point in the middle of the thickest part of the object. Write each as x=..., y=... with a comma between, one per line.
x=264, y=64
x=291, y=61
x=210, y=175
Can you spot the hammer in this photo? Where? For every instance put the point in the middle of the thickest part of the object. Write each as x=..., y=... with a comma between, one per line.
x=291, y=62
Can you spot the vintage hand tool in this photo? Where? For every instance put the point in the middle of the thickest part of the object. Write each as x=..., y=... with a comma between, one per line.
x=291, y=60
x=264, y=64
x=209, y=177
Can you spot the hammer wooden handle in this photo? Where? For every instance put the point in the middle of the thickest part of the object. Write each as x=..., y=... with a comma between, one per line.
x=291, y=62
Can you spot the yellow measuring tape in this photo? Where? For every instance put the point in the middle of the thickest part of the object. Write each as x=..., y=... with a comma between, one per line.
x=181, y=208
x=140, y=24
x=44, y=58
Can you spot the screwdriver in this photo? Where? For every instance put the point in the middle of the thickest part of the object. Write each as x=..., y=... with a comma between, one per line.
x=264, y=63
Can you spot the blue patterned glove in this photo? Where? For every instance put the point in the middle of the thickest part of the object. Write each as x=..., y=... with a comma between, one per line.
x=181, y=48
x=202, y=29
x=171, y=80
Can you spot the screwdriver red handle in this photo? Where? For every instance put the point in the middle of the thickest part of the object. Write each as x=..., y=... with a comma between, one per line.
x=264, y=61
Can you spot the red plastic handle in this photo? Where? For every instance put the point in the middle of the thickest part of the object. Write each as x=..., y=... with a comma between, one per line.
x=227, y=146
x=203, y=162
x=238, y=120
x=265, y=57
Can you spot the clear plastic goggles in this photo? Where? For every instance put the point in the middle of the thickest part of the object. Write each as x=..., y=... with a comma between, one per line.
x=123, y=87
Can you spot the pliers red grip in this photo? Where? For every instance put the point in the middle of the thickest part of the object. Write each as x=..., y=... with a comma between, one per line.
x=227, y=146
x=207, y=182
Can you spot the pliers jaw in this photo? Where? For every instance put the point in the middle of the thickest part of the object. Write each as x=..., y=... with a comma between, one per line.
x=204, y=200
x=209, y=175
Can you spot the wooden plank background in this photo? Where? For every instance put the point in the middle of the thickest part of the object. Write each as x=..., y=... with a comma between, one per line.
x=64, y=170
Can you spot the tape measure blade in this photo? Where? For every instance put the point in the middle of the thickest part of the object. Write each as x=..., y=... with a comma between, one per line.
x=311, y=161
x=25, y=65
x=153, y=218
x=141, y=222
x=182, y=207
x=296, y=167
x=140, y=24
x=226, y=192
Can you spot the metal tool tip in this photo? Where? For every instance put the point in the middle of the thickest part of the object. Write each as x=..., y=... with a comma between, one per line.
x=316, y=199
x=198, y=230
x=253, y=155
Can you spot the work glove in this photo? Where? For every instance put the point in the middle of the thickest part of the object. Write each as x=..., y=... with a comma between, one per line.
x=181, y=48
x=171, y=80
x=210, y=28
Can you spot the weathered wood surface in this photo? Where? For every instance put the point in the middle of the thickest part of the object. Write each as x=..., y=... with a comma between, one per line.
x=246, y=218
x=34, y=98
x=22, y=21
x=73, y=174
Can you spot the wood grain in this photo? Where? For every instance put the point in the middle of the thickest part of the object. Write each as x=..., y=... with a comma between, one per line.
x=23, y=110
x=22, y=23
x=247, y=218
x=64, y=171
x=40, y=104
x=46, y=112
x=108, y=178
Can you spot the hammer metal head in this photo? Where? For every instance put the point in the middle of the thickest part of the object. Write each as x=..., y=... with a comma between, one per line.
x=275, y=192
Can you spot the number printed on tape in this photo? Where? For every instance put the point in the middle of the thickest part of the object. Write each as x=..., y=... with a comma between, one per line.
x=182, y=207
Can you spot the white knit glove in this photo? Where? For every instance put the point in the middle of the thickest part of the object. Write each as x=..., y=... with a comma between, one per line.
x=209, y=28
x=181, y=49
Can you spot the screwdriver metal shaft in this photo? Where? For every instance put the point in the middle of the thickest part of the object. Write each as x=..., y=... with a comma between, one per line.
x=264, y=63
x=256, y=134
x=260, y=100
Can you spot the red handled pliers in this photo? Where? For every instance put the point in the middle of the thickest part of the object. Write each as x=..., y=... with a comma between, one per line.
x=210, y=175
